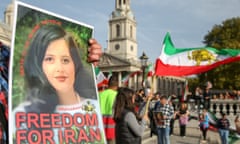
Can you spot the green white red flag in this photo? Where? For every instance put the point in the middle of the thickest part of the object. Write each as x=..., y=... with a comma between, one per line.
x=187, y=61
x=149, y=71
x=100, y=77
x=109, y=75
x=128, y=76
x=185, y=92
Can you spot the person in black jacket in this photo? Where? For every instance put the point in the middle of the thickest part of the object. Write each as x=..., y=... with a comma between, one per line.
x=129, y=128
x=207, y=97
x=223, y=128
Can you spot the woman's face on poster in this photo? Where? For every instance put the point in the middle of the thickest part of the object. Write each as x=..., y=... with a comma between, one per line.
x=58, y=65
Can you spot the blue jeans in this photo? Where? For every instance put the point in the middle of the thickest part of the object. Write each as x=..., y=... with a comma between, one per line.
x=163, y=135
x=224, y=135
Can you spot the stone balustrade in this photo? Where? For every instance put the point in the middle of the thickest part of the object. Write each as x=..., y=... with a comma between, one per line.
x=229, y=106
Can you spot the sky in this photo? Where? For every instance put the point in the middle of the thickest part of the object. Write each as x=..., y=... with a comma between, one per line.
x=188, y=21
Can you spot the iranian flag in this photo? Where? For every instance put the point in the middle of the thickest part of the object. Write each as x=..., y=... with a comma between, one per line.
x=109, y=75
x=149, y=71
x=187, y=61
x=128, y=76
x=100, y=77
x=185, y=92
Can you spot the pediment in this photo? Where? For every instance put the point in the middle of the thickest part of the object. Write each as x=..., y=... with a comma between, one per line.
x=109, y=60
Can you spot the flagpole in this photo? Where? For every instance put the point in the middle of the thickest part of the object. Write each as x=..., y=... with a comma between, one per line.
x=151, y=93
x=153, y=83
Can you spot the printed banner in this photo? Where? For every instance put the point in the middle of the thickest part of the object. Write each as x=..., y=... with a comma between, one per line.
x=53, y=93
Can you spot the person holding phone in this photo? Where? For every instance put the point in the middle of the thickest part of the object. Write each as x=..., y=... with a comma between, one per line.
x=129, y=126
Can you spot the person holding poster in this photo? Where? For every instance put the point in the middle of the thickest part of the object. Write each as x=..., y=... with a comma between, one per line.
x=163, y=114
x=55, y=80
x=60, y=105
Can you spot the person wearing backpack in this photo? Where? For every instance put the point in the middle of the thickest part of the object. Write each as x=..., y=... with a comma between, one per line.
x=154, y=101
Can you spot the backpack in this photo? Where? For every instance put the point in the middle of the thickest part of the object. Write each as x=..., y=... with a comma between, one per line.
x=153, y=125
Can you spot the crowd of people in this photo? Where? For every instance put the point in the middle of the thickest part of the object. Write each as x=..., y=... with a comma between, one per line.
x=134, y=111
x=204, y=96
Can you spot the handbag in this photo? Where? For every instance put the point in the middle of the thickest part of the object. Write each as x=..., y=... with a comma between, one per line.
x=183, y=120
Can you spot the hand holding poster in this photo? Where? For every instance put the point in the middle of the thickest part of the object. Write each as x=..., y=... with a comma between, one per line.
x=53, y=90
x=158, y=117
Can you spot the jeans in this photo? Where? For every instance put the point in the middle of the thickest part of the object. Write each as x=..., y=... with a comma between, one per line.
x=224, y=135
x=163, y=135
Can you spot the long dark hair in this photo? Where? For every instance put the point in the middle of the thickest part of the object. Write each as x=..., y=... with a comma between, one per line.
x=40, y=92
x=123, y=102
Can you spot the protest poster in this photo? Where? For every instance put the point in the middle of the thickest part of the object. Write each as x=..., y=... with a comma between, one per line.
x=158, y=118
x=53, y=96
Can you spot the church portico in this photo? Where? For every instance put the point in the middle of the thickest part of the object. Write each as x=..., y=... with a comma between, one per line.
x=119, y=67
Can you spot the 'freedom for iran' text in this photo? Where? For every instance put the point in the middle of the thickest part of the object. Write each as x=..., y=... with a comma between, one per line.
x=38, y=128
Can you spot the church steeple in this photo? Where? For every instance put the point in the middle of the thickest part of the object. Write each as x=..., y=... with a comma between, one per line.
x=122, y=31
x=122, y=8
x=8, y=14
x=122, y=4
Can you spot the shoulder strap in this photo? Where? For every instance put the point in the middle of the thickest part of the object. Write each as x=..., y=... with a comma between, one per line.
x=157, y=104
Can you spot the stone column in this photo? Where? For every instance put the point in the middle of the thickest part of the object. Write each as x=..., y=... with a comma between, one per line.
x=120, y=79
x=130, y=82
x=135, y=82
x=154, y=86
x=231, y=111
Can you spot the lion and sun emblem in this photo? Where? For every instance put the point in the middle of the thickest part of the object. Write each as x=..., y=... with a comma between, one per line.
x=201, y=55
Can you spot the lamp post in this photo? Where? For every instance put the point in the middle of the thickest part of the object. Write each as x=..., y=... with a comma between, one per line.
x=144, y=60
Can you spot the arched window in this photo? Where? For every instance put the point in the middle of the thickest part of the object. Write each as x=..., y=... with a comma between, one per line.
x=118, y=30
x=119, y=2
x=124, y=1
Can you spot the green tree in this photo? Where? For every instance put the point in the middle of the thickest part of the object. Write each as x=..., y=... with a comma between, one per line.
x=225, y=35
